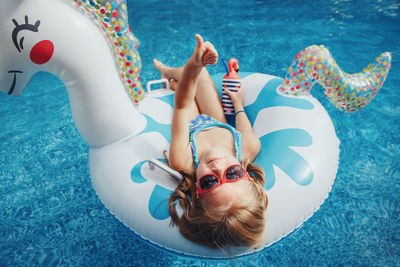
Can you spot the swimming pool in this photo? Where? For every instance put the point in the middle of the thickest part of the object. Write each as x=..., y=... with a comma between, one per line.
x=50, y=214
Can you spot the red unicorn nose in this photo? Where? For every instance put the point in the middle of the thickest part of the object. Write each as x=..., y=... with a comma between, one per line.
x=42, y=52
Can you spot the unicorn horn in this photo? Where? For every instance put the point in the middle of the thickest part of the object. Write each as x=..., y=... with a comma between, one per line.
x=348, y=92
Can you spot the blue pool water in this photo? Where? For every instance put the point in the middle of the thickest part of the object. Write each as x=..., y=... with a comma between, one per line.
x=50, y=214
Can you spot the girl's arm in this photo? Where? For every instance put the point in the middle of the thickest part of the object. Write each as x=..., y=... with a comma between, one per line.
x=180, y=150
x=186, y=91
x=204, y=54
x=250, y=143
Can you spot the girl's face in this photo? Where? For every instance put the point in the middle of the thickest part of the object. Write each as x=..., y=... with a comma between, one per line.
x=227, y=195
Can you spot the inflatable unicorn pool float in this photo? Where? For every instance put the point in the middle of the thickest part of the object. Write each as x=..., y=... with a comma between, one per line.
x=126, y=127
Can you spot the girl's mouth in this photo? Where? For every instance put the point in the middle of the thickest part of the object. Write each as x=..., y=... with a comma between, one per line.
x=14, y=80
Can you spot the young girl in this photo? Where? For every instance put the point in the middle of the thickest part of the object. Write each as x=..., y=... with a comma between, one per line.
x=222, y=194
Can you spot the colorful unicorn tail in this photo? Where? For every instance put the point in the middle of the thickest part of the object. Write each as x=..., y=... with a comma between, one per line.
x=348, y=92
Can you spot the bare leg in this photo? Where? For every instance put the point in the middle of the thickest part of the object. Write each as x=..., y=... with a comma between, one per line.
x=207, y=97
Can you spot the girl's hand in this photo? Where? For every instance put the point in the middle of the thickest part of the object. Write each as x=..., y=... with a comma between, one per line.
x=204, y=53
x=237, y=98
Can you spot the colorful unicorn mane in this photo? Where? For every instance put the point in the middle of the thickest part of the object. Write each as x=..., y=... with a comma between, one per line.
x=112, y=18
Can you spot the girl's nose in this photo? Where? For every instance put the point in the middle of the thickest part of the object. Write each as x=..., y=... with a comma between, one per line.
x=218, y=168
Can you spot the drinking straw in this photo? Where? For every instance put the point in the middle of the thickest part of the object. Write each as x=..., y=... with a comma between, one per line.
x=227, y=71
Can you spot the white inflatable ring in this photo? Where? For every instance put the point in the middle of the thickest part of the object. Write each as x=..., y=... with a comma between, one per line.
x=299, y=153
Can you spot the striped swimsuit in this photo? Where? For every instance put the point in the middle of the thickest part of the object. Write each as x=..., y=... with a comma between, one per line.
x=203, y=122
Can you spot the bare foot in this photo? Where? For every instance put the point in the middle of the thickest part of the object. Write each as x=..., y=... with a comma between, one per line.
x=204, y=53
x=161, y=68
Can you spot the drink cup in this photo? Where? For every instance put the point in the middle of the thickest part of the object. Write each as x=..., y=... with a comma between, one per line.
x=232, y=85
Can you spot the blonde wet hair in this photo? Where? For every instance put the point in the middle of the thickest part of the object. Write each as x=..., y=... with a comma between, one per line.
x=241, y=225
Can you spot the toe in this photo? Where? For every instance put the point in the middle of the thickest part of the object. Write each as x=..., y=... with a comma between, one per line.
x=173, y=84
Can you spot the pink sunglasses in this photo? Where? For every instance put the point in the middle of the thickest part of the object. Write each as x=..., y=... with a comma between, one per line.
x=210, y=181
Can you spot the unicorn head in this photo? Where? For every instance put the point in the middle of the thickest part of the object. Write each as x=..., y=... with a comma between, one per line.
x=55, y=36
x=22, y=50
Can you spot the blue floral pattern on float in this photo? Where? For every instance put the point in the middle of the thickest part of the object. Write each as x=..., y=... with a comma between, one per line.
x=277, y=145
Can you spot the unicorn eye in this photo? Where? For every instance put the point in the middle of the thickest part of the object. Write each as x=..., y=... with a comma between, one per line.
x=30, y=27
